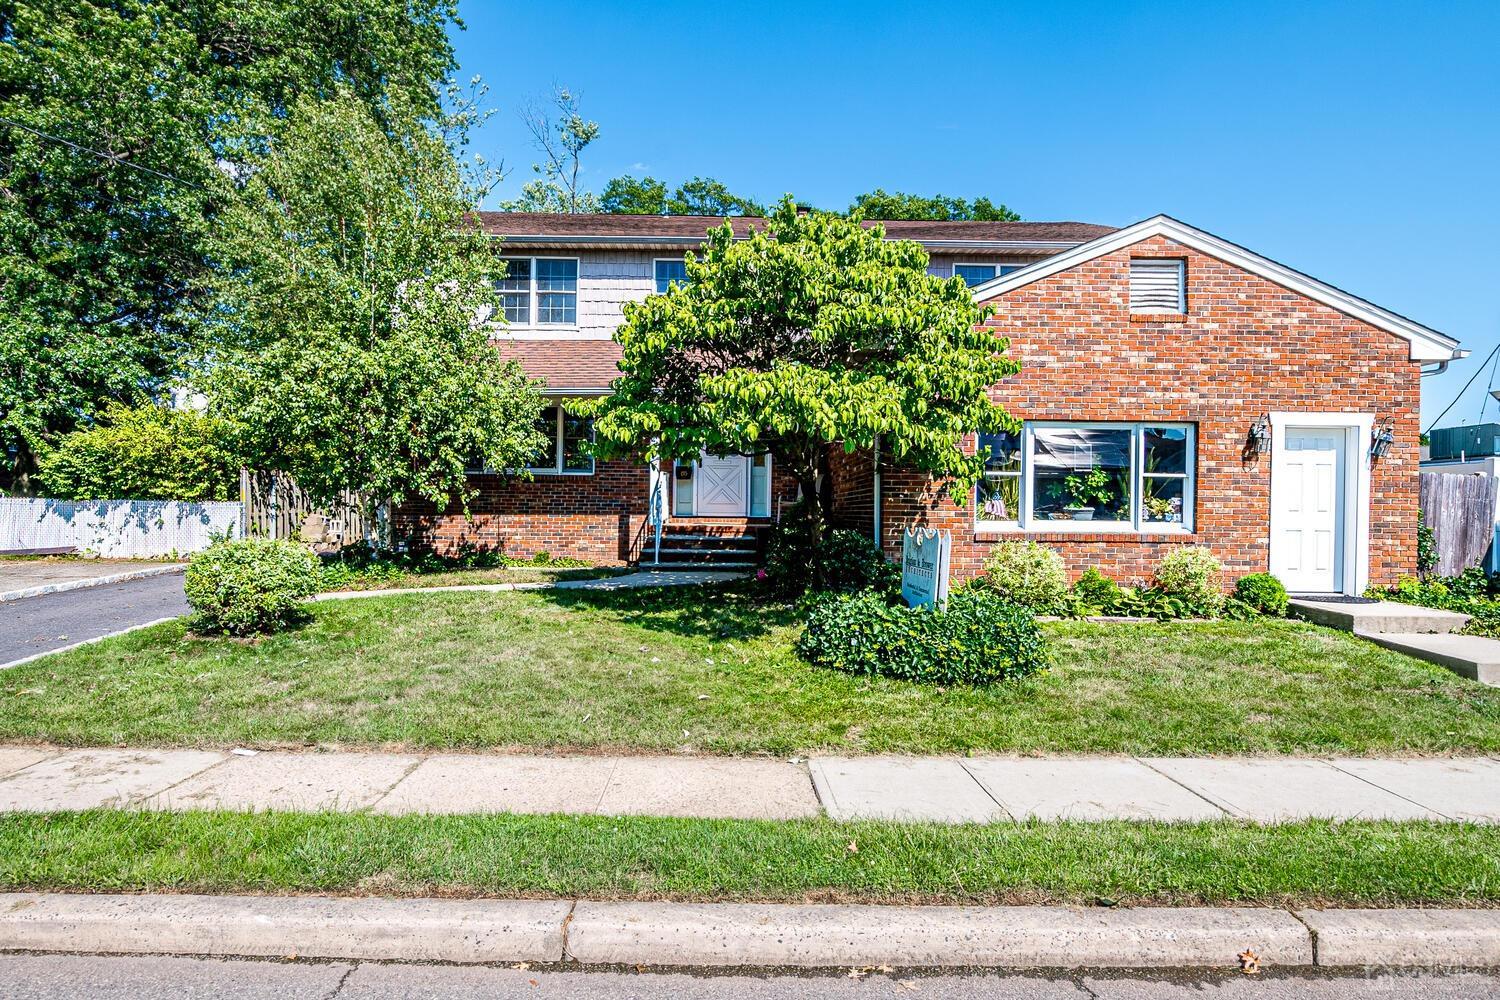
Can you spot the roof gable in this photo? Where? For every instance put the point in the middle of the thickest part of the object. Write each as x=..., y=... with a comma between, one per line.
x=1427, y=344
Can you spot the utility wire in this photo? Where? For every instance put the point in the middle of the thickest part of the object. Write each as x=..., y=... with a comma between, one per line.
x=108, y=157
x=1484, y=401
x=1440, y=416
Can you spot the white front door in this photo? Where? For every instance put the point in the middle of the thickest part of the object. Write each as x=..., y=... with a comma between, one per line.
x=722, y=486
x=1307, y=551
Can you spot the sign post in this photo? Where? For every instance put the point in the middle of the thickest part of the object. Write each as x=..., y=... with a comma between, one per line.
x=924, y=566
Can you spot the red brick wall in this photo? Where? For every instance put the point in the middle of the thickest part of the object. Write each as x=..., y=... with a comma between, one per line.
x=596, y=518
x=1245, y=347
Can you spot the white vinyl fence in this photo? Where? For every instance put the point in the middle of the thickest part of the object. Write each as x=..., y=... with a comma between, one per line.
x=117, y=528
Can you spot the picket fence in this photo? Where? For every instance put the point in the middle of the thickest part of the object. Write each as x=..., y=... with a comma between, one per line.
x=116, y=529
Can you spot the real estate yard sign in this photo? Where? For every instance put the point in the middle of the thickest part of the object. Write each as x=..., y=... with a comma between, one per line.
x=924, y=566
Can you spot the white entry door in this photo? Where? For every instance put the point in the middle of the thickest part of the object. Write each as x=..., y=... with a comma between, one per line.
x=723, y=486
x=1307, y=553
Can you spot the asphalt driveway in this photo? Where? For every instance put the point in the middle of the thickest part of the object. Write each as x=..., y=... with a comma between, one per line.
x=38, y=624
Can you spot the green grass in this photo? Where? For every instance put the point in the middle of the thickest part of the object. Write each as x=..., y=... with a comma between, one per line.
x=1363, y=863
x=465, y=577
x=711, y=670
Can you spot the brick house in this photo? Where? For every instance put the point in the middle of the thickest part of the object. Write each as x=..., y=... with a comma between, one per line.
x=1175, y=389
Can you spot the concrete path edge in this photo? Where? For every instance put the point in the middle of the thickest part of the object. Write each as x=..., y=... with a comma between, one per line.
x=738, y=934
x=93, y=581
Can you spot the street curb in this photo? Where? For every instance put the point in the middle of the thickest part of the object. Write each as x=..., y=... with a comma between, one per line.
x=93, y=581
x=85, y=642
x=739, y=934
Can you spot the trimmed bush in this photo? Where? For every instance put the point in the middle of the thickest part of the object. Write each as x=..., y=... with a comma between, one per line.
x=845, y=562
x=144, y=453
x=980, y=639
x=1095, y=590
x=250, y=585
x=1192, y=574
x=1263, y=592
x=1028, y=574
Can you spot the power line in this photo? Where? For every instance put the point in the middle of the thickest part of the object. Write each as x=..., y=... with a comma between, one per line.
x=1484, y=400
x=108, y=157
x=1465, y=389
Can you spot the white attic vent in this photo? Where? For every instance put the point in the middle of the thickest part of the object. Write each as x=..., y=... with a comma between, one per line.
x=1157, y=286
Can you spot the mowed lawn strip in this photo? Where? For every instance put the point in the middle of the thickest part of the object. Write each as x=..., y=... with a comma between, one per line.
x=1357, y=863
x=712, y=670
x=468, y=577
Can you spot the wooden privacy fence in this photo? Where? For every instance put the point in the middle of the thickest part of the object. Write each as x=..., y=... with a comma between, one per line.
x=1460, y=510
x=276, y=507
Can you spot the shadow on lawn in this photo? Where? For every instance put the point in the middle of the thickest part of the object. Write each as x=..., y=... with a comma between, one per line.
x=710, y=611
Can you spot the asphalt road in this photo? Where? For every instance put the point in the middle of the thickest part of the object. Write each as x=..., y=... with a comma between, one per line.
x=51, y=621
x=24, y=977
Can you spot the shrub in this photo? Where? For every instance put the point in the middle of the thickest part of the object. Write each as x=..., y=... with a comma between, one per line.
x=844, y=562
x=250, y=585
x=1192, y=574
x=1427, y=553
x=1028, y=574
x=144, y=453
x=1263, y=592
x=1095, y=590
x=979, y=639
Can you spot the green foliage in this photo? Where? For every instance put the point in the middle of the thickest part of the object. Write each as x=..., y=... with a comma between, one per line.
x=100, y=262
x=1263, y=592
x=980, y=638
x=250, y=585
x=1427, y=553
x=1471, y=593
x=365, y=566
x=561, y=134
x=811, y=333
x=1095, y=590
x=797, y=560
x=1028, y=574
x=699, y=196
x=1094, y=488
x=1192, y=574
x=144, y=453
x=347, y=302
x=878, y=204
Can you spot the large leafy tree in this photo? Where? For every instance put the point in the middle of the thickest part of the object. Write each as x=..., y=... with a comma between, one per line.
x=699, y=196
x=118, y=122
x=353, y=303
x=879, y=204
x=814, y=334
x=560, y=133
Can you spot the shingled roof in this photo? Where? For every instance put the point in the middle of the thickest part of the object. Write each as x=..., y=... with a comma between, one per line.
x=584, y=229
x=584, y=365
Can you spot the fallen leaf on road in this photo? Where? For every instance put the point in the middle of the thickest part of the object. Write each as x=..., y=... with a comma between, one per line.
x=1249, y=962
x=856, y=973
x=521, y=966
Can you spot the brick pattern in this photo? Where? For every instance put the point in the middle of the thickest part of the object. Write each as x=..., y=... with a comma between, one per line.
x=1245, y=346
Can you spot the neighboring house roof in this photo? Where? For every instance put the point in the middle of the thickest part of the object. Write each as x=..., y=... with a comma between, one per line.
x=1427, y=344
x=586, y=366
x=544, y=229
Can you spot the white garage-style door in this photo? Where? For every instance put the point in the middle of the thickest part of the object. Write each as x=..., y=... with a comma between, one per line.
x=1310, y=510
x=723, y=486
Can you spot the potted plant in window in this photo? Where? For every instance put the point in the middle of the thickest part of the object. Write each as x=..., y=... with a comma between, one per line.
x=1088, y=492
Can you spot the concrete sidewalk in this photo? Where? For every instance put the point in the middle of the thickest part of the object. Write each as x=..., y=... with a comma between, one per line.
x=744, y=934
x=911, y=789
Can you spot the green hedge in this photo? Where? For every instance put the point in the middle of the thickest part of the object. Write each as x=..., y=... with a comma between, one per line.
x=979, y=639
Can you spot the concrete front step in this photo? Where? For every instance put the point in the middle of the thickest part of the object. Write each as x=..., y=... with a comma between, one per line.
x=699, y=565
x=1471, y=656
x=1382, y=616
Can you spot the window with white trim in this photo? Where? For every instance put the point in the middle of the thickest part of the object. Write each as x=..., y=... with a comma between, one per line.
x=567, y=451
x=1158, y=285
x=539, y=291
x=1063, y=476
x=669, y=270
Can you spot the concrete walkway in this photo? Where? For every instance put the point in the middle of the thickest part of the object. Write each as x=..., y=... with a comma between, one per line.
x=937, y=789
x=1424, y=633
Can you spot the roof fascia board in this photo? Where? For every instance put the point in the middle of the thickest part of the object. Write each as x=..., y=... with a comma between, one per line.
x=1426, y=344
x=596, y=240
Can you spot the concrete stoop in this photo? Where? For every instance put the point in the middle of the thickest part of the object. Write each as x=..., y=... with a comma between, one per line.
x=742, y=934
x=1424, y=633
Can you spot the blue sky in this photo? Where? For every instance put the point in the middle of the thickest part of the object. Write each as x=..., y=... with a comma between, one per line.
x=1358, y=142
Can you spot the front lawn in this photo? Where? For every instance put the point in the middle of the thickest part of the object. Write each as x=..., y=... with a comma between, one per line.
x=400, y=580
x=712, y=670
x=1308, y=863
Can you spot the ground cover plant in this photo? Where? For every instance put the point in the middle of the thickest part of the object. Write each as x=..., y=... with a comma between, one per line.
x=1473, y=593
x=714, y=670
x=625, y=857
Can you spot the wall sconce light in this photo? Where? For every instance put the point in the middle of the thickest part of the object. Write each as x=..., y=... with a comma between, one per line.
x=1258, y=441
x=1381, y=440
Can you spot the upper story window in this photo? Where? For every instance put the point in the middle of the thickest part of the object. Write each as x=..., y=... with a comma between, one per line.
x=568, y=438
x=1089, y=477
x=670, y=270
x=978, y=274
x=539, y=291
x=1158, y=285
